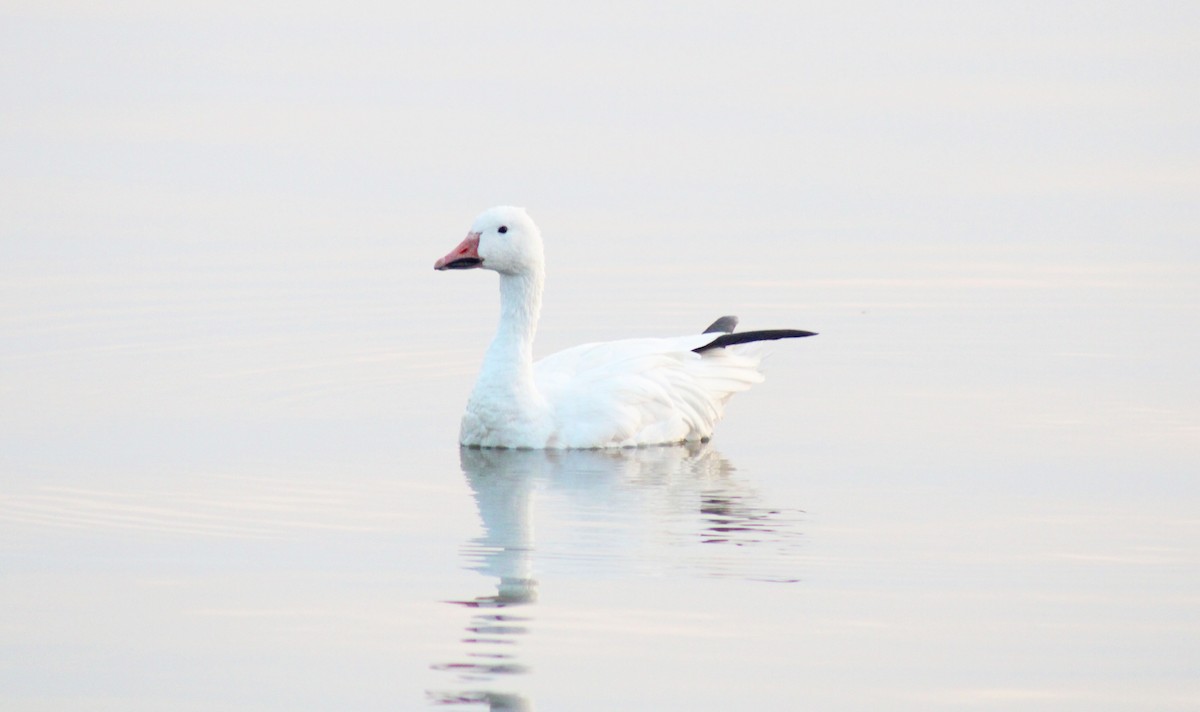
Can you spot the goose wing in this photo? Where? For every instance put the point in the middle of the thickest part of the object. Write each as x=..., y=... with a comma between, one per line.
x=641, y=391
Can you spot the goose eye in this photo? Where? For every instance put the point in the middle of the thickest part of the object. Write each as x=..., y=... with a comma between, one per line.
x=503, y=229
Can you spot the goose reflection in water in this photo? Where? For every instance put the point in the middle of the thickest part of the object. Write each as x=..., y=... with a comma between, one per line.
x=601, y=506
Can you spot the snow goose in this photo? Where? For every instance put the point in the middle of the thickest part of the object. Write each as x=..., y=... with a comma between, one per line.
x=648, y=391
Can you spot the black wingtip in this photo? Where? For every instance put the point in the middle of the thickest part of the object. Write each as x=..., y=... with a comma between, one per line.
x=750, y=336
x=724, y=325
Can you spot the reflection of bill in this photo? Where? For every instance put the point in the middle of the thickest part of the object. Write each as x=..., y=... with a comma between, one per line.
x=495, y=701
x=687, y=494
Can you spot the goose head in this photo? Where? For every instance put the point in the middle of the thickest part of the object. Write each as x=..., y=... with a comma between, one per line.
x=503, y=239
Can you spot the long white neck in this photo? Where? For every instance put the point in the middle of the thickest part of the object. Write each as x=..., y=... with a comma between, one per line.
x=508, y=365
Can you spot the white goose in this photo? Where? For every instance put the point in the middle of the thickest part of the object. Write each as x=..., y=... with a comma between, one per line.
x=614, y=394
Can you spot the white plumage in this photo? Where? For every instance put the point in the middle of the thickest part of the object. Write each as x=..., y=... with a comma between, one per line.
x=612, y=394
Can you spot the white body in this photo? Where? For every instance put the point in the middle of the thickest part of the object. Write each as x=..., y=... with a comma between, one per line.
x=614, y=394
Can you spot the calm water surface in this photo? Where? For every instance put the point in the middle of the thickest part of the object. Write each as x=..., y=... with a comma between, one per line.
x=239, y=488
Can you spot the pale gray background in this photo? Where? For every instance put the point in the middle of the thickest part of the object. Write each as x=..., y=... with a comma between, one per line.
x=230, y=381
